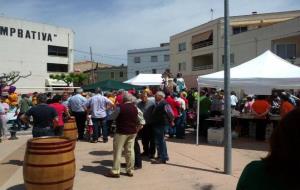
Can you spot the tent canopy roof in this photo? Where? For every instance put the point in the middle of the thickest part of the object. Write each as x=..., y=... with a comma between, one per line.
x=265, y=72
x=146, y=80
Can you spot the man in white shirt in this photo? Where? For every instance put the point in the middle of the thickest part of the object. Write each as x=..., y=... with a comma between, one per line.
x=234, y=99
x=97, y=106
x=77, y=106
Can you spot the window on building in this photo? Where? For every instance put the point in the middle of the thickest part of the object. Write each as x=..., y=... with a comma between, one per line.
x=54, y=67
x=286, y=51
x=154, y=58
x=153, y=71
x=202, y=62
x=137, y=59
x=231, y=59
x=121, y=74
x=182, y=66
x=182, y=46
x=112, y=75
x=166, y=58
x=58, y=51
x=137, y=72
x=239, y=29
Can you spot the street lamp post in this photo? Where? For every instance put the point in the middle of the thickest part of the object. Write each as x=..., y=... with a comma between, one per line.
x=227, y=121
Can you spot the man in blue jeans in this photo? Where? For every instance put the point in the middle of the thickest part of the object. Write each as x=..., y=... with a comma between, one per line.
x=162, y=115
x=97, y=105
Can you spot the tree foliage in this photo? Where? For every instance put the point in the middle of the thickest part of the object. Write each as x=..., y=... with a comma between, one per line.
x=76, y=78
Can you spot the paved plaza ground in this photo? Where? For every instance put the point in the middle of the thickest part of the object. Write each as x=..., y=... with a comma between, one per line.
x=190, y=167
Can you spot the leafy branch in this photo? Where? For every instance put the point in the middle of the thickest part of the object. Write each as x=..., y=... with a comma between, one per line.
x=77, y=78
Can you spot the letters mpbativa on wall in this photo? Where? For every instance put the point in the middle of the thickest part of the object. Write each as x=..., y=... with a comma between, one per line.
x=27, y=34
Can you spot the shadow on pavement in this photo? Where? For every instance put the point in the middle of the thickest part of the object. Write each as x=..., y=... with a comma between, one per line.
x=102, y=170
x=104, y=162
x=194, y=168
x=14, y=162
x=101, y=153
x=203, y=187
x=207, y=187
x=17, y=187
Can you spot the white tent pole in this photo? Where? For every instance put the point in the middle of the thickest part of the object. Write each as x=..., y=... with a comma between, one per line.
x=198, y=114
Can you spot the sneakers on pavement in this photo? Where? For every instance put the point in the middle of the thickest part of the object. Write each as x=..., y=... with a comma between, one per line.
x=112, y=175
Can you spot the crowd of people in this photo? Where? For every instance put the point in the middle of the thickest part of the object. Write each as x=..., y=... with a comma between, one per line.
x=127, y=115
x=259, y=106
x=150, y=115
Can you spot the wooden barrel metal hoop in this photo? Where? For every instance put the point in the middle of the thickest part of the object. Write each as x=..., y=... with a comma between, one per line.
x=49, y=164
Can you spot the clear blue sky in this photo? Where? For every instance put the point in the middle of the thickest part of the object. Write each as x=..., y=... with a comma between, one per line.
x=112, y=27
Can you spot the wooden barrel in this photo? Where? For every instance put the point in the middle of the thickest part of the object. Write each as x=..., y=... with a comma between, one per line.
x=49, y=164
x=70, y=129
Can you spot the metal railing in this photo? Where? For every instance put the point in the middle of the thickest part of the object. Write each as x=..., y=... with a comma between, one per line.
x=202, y=67
x=202, y=44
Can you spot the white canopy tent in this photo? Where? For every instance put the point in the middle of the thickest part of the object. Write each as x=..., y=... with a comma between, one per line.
x=146, y=80
x=257, y=76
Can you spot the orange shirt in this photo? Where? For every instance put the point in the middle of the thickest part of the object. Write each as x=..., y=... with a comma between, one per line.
x=13, y=99
x=285, y=108
x=260, y=106
x=112, y=99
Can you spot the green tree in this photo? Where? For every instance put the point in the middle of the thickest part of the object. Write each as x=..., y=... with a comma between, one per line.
x=75, y=78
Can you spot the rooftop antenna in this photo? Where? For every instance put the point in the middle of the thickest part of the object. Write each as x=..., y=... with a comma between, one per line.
x=212, y=13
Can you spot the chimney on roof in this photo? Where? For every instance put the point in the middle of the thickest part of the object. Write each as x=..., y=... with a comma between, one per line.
x=254, y=13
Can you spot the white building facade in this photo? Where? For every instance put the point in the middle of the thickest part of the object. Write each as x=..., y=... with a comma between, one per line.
x=35, y=48
x=148, y=60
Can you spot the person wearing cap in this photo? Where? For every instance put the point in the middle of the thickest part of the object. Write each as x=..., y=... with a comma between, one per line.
x=13, y=96
x=77, y=107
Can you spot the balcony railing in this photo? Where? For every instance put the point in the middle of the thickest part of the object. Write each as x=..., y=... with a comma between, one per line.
x=202, y=44
x=202, y=67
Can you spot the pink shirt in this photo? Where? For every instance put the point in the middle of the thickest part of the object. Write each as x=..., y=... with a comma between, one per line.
x=248, y=106
x=60, y=109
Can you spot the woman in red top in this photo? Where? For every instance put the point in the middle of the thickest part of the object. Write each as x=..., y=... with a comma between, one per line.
x=60, y=109
x=175, y=108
